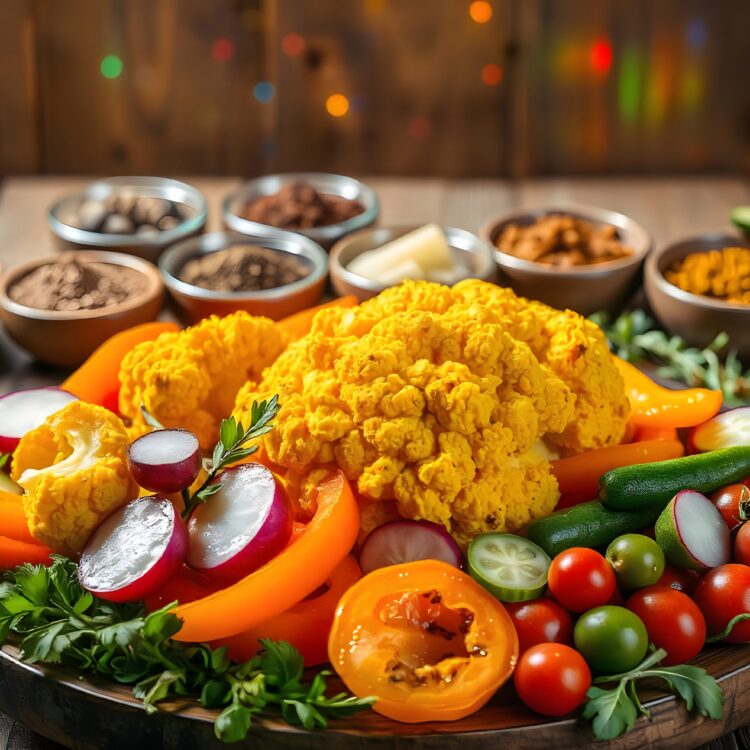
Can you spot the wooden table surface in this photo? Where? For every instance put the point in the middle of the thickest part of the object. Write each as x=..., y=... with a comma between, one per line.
x=669, y=208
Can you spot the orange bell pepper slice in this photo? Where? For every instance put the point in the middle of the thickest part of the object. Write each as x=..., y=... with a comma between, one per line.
x=302, y=567
x=656, y=406
x=578, y=476
x=97, y=380
x=14, y=553
x=298, y=325
x=646, y=432
x=13, y=519
x=425, y=638
x=306, y=625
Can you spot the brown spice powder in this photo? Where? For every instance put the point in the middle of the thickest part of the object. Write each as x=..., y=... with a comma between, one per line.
x=72, y=284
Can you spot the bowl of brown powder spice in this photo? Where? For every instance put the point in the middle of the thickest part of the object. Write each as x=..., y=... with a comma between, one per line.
x=62, y=307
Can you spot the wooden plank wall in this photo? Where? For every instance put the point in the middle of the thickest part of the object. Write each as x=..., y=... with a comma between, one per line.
x=674, y=99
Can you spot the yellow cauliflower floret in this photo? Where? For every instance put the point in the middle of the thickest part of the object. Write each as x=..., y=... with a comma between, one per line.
x=190, y=378
x=74, y=472
x=435, y=400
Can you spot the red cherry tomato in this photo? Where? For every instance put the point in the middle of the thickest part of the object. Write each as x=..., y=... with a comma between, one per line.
x=673, y=622
x=552, y=679
x=732, y=502
x=678, y=579
x=540, y=621
x=581, y=579
x=722, y=594
x=742, y=545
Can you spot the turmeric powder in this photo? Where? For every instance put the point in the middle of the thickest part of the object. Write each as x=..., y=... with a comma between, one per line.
x=720, y=274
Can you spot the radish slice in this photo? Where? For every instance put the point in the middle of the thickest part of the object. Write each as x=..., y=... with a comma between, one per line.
x=23, y=411
x=406, y=541
x=726, y=430
x=135, y=551
x=692, y=532
x=165, y=460
x=240, y=527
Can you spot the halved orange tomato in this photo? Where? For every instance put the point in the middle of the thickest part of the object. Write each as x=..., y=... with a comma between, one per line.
x=425, y=638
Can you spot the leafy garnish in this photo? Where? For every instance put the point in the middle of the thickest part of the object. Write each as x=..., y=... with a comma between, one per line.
x=729, y=627
x=56, y=621
x=4, y=458
x=232, y=447
x=614, y=711
x=633, y=337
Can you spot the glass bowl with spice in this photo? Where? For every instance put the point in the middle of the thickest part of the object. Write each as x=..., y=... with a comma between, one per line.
x=62, y=307
x=323, y=207
x=137, y=215
x=700, y=286
x=273, y=275
x=570, y=256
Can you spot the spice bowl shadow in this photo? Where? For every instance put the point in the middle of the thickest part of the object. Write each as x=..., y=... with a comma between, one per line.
x=693, y=317
x=197, y=302
x=66, y=338
x=587, y=288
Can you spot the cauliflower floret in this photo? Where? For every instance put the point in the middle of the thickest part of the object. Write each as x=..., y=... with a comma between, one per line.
x=74, y=471
x=190, y=378
x=435, y=400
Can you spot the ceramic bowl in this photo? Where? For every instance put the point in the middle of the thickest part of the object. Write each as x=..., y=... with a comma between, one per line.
x=585, y=289
x=467, y=247
x=197, y=302
x=150, y=246
x=695, y=318
x=67, y=338
x=330, y=184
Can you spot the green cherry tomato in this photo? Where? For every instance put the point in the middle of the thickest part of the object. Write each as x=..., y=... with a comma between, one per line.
x=611, y=639
x=638, y=561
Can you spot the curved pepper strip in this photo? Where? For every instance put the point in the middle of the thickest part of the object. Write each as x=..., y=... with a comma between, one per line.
x=656, y=406
x=306, y=625
x=14, y=553
x=288, y=578
x=298, y=325
x=578, y=476
x=97, y=380
x=645, y=432
x=13, y=519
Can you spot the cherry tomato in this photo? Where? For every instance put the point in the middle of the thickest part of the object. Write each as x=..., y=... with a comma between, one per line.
x=540, y=621
x=730, y=501
x=742, y=545
x=722, y=594
x=611, y=639
x=679, y=579
x=638, y=561
x=580, y=579
x=673, y=622
x=552, y=679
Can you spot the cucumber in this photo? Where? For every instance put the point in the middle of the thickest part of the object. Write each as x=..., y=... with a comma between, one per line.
x=654, y=485
x=741, y=217
x=587, y=525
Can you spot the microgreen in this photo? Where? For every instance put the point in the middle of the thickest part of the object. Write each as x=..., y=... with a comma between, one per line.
x=56, y=621
x=614, y=711
x=232, y=447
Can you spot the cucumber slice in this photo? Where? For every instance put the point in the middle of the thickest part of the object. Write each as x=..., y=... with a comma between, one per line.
x=510, y=567
x=741, y=217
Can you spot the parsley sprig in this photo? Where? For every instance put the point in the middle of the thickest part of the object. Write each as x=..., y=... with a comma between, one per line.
x=57, y=622
x=614, y=711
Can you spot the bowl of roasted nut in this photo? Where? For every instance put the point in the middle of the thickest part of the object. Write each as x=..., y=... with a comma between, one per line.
x=323, y=207
x=574, y=257
x=137, y=215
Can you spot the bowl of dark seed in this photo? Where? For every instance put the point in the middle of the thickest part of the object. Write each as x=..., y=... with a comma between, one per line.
x=273, y=275
x=136, y=215
x=62, y=307
x=323, y=207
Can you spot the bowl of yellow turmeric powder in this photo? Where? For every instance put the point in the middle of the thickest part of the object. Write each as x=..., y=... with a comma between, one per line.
x=700, y=286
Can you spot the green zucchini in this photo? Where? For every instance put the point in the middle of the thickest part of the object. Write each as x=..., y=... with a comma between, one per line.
x=586, y=525
x=654, y=485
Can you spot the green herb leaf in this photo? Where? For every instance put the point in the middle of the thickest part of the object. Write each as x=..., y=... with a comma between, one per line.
x=233, y=723
x=612, y=712
x=4, y=458
x=742, y=617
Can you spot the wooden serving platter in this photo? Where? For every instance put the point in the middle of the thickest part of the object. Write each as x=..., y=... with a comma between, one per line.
x=91, y=714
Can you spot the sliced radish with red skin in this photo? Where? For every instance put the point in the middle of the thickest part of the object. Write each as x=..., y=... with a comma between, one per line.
x=165, y=460
x=240, y=527
x=693, y=533
x=134, y=551
x=406, y=541
x=24, y=411
x=726, y=430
